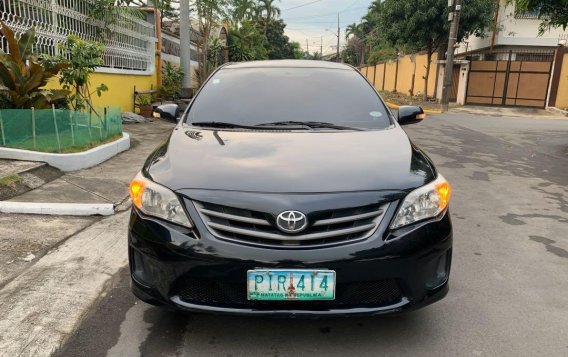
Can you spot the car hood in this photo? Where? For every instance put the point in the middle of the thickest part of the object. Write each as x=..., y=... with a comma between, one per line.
x=289, y=162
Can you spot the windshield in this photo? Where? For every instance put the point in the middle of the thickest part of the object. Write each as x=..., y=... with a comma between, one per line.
x=254, y=96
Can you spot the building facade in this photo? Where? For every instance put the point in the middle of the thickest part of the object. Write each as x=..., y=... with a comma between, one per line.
x=512, y=65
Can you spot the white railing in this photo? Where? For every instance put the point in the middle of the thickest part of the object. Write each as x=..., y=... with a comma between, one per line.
x=129, y=45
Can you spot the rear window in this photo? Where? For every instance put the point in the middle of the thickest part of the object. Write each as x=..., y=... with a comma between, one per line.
x=251, y=96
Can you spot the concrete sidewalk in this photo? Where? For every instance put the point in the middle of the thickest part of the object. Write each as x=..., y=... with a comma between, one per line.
x=511, y=112
x=52, y=268
x=25, y=238
x=107, y=182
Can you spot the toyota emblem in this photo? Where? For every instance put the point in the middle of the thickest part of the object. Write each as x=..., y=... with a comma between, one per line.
x=292, y=221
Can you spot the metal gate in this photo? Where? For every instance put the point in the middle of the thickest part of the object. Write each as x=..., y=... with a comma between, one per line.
x=510, y=79
x=455, y=84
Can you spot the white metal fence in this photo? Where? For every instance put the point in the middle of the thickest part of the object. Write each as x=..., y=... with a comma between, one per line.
x=129, y=44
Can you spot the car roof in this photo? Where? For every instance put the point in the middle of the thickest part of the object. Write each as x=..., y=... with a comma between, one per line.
x=288, y=64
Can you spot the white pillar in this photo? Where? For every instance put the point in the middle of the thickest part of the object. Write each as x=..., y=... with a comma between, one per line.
x=462, y=86
x=185, y=43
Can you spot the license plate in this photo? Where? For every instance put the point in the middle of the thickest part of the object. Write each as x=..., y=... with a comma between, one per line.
x=282, y=284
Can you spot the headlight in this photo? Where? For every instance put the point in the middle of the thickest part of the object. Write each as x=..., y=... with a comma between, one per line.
x=156, y=200
x=425, y=202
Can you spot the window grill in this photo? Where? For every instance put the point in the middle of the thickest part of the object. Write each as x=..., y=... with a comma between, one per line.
x=128, y=46
x=504, y=54
x=528, y=15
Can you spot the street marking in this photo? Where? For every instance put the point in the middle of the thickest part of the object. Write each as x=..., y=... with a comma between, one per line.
x=58, y=209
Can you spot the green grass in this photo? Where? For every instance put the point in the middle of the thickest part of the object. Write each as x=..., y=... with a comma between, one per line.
x=10, y=180
x=81, y=148
x=48, y=143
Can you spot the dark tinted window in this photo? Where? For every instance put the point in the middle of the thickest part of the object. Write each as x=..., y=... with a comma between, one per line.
x=253, y=96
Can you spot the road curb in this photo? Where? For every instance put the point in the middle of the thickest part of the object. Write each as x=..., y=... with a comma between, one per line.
x=58, y=209
x=73, y=161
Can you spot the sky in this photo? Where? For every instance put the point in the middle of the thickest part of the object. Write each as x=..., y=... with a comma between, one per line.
x=311, y=19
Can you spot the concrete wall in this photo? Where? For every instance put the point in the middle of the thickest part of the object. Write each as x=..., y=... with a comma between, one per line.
x=400, y=75
x=121, y=88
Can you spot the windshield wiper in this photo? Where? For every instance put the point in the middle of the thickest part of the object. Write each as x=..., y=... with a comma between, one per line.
x=220, y=124
x=312, y=124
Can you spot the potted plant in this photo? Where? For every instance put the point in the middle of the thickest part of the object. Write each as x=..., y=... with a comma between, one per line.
x=144, y=102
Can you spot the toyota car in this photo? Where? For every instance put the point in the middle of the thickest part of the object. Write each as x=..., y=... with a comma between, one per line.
x=288, y=188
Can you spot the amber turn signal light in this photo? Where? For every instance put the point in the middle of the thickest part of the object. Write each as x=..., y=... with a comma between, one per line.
x=444, y=190
x=136, y=190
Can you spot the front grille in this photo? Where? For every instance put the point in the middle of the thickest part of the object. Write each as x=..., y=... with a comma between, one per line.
x=326, y=227
x=359, y=294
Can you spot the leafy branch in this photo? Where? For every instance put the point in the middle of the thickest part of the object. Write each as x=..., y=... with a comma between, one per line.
x=80, y=59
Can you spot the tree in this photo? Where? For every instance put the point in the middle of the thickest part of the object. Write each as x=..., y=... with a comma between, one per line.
x=210, y=14
x=351, y=54
x=277, y=44
x=296, y=50
x=382, y=53
x=256, y=33
x=246, y=43
x=167, y=9
x=412, y=26
x=242, y=10
x=356, y=36
x=271, y=11
x=553, y=13
x=80, y=59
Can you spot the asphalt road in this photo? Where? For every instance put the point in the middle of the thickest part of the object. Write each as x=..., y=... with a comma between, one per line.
x=509, y=282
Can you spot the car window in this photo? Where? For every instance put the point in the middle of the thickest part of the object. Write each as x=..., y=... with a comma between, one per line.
x=252, y=96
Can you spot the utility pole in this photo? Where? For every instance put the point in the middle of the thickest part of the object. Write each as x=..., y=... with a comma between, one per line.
x=449, y=68
x=321, y=47
x=338, y=38
x=185, y=46
x=307, y=47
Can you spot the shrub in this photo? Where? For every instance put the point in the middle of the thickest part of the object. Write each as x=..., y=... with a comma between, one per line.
x=144, y=100
x=79, y=59
x=172, y=77
x=23, y=75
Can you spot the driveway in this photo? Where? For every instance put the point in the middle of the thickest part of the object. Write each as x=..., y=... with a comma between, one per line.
x=508, y=294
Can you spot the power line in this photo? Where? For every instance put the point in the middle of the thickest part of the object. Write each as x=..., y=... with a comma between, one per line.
x=299, y=6
x=353, y=3
x=328, y=14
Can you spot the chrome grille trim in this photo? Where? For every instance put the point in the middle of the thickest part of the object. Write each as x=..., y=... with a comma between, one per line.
x=326, y=227
x=290, y=238
x=233, y=217
x=324, y=222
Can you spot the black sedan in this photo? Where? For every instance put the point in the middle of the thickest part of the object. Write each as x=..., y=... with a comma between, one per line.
x=289, y=188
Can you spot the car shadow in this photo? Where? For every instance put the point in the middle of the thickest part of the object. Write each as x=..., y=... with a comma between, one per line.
x=199, y=334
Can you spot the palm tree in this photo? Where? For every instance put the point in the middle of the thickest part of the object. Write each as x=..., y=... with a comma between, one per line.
x=267, y=7
x=359, y=33
x=243, y=10
x=352, y=30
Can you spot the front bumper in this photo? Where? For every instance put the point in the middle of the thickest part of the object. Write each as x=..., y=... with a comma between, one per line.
x=407, y=270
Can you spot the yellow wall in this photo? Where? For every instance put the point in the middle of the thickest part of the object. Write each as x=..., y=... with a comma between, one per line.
x=562, y=95
x=421, y=62
x=120, y=88
x=380, y=68
x=370, y=74
x=405, y=73
x=390, y=76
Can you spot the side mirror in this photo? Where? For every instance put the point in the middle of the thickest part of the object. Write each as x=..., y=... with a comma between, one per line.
x=409, y=115
x=167, y=111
